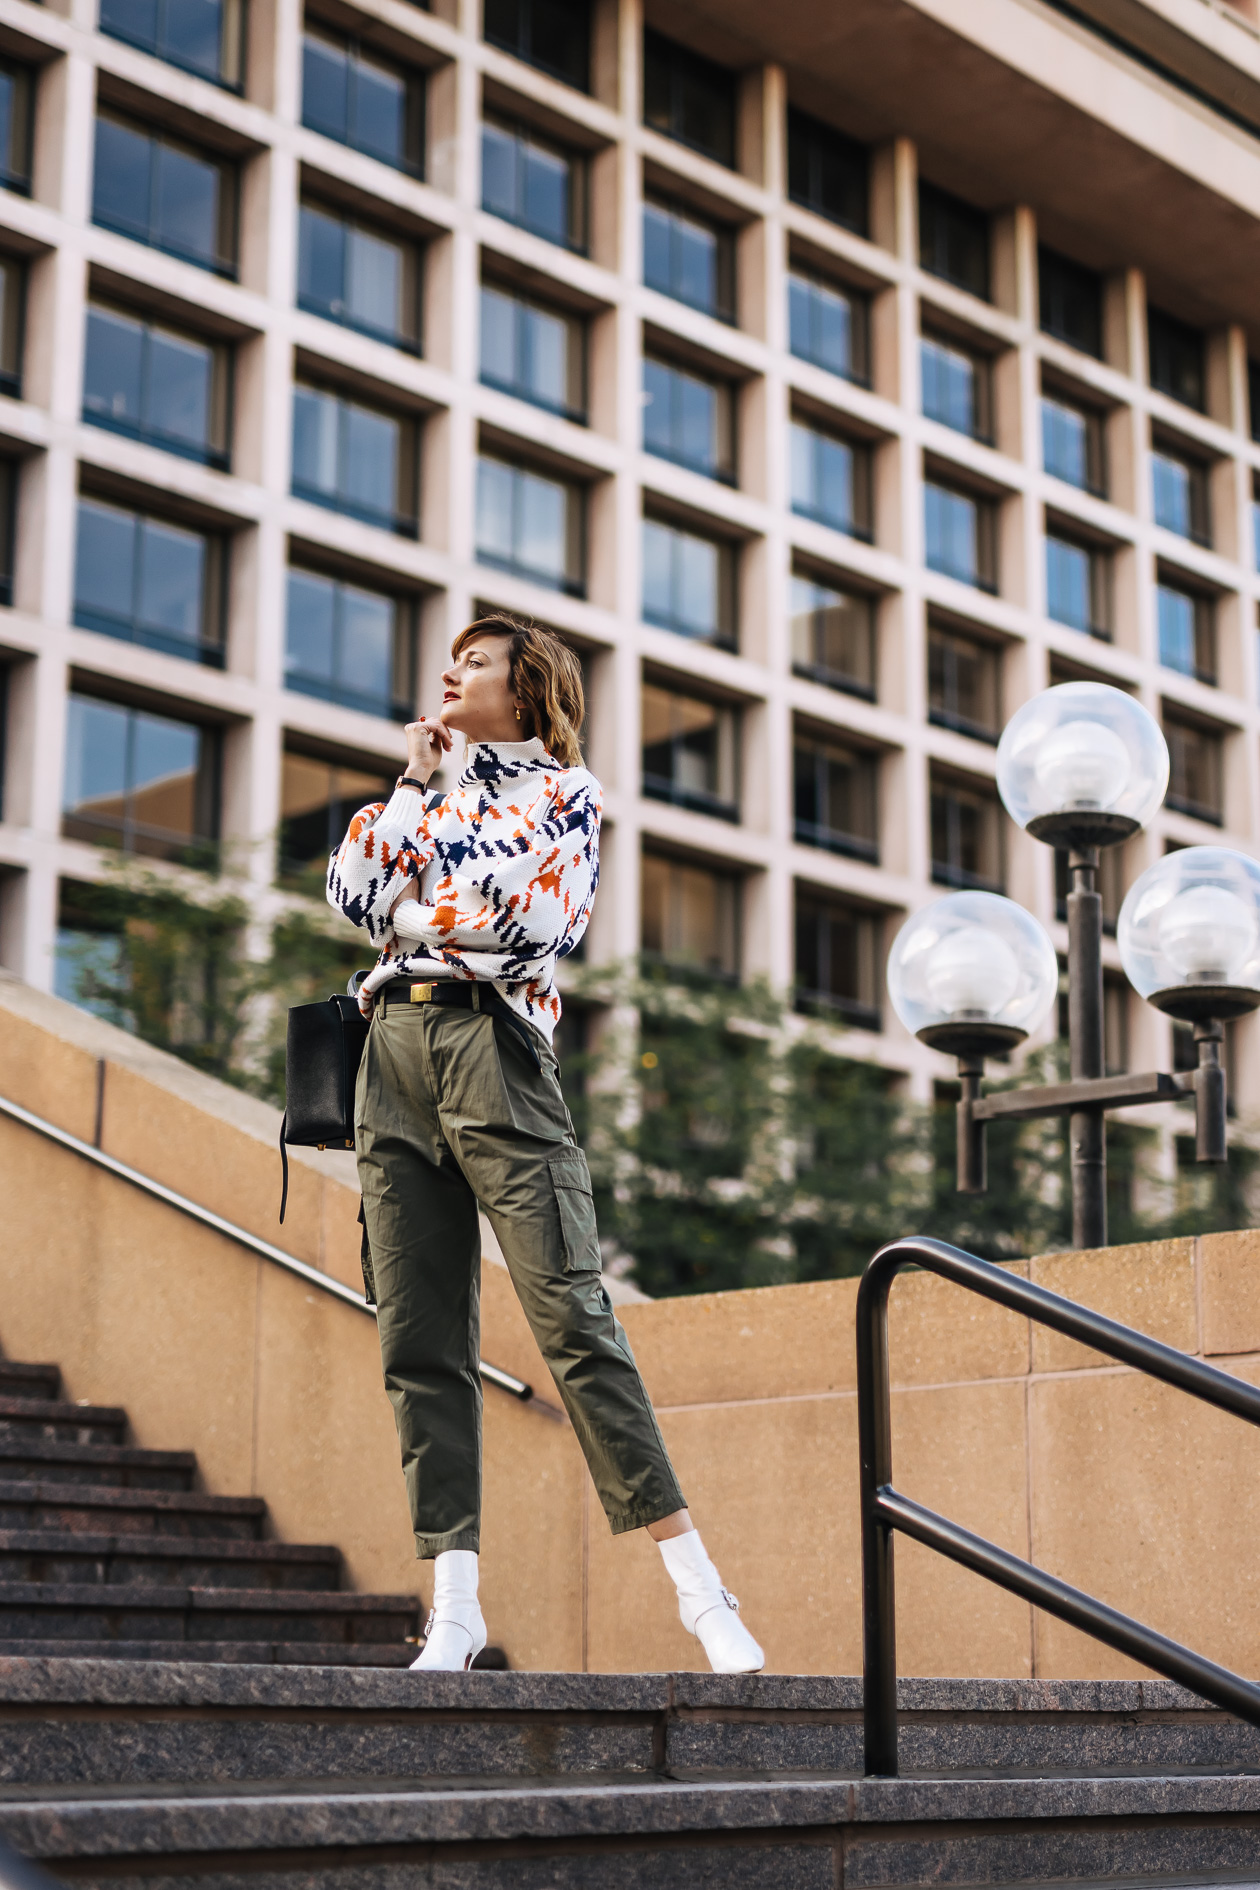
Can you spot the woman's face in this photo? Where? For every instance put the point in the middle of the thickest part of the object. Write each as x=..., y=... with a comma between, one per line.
x=477, y=697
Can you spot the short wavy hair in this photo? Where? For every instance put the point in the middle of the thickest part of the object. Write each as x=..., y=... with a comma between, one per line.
x=546, y=676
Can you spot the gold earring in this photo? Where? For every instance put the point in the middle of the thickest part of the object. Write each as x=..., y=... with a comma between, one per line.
x=518, y=715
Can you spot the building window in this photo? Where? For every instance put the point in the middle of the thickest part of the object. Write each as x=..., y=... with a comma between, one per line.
x=1253, y=398
x=530, y=524
x=953, y=240
x=834, y=797
x=554, y=35
x=1176, y=359
x=688, y=418
x=146, y=783
x=8, y=518
x=828, y=326
x=530, y=182
x=1072, y=444
x=831, y=480
x=837, y=960
x=955, y=387
x=354, y=459
x=1196, y=775
x=318, y=800
x=690, y=916
x=1187, y=631
x=12, y=300
x=358, y=277
x=146, y=581
x=689, y=260
x=163, y=193
x=1076, y=585
x=827, y=172
x=202, y=36
x=1181, y=496
x=533, y=352
x=87, y=954
x=16, y=118
x=1071, y=302
x=833, y=637
x=689, y=752
x=960, y=535
x=348, y=645
x=352, y=96
x=964, y=683
x=688, y=583
x=156, y=384
x=966, y=835
x=688, y=98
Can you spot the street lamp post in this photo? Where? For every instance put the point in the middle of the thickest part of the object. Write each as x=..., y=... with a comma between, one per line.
x=1082, y=767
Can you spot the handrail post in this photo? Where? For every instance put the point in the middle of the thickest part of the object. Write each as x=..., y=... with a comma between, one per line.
x=879, y=1618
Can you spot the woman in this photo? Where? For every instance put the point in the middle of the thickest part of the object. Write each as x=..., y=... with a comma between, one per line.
x=473, y=900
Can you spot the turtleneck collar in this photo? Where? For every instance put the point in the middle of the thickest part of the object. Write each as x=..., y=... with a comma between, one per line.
x=489, y=761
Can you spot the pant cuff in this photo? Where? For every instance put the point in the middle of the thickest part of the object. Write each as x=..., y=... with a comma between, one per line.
x=429, y=1546
x=639, y=1515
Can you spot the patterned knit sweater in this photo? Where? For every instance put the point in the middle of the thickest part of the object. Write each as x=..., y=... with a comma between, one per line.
x=507, y=867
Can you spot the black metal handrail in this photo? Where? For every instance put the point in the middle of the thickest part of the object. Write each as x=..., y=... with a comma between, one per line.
x=885, y=1509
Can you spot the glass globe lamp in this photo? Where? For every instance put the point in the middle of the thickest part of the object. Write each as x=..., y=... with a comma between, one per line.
x=1082, y=765
x=972, y=974
x=1189, y=934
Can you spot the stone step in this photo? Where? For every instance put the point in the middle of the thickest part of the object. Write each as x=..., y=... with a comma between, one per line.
x=56, y=1418
x=199, y=1654
x=51, y=1611
x=29, y=1381
x=88, y=1508
x=55, y=1555
x=121, y=1466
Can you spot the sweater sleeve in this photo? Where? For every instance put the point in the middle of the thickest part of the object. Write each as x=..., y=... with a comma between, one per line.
x=386, y=844
x=524, y=900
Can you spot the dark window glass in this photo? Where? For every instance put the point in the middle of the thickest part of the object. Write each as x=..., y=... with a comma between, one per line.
x=964, y=683
x=8, y=515
x=318, y=799
x=688, y=583
x=966, y=836
x=530, y=523
x=1195, y=772
x=358, y=276
x=828, y=326
x=12, y=310
x=955, y=387
x=1071, y=302
x=532, y=183
x=1253, y=398
x=145, y=782
x=831, y=480
x=164, y=194
x=689, y=260
x=554, y=35
x=203, y=36
x=827, y=172
x=833, y=636
x=1255, y=528
x=960, y=535
x=353, y=96
x=1181, y=496
x=1187, y=631
x=834, y=797
x=689, y=752
x=354, y=458
x=688, y=419
x=533, y=352
x=1176, y=358
x=690, y=916
x=1076, y=585
x=17, y=88
x=688, y=98
x=147, y=581
x=837, y=960
x=348, y=645
x=154, y=384
x=953, y=240
x=1072, y=444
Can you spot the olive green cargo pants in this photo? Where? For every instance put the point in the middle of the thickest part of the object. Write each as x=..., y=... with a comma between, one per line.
x=451, y=1111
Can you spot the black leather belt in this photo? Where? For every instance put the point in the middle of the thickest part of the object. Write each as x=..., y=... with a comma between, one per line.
x=464, y=995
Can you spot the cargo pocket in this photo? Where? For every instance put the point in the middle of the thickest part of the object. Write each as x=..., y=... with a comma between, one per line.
x=571, y=1179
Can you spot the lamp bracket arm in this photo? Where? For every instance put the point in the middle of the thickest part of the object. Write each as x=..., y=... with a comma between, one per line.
x=1098, y=1092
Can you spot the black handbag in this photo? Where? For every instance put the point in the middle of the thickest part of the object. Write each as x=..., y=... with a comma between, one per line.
x=321, y=1062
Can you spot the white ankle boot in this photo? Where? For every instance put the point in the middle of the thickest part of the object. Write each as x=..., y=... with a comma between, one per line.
x=455, y=1632
x=708, y=1610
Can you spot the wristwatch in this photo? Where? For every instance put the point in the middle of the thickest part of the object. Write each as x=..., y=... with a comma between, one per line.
x=407, y=780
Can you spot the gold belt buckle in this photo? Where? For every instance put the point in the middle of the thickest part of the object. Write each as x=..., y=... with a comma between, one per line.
x=422, y=994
